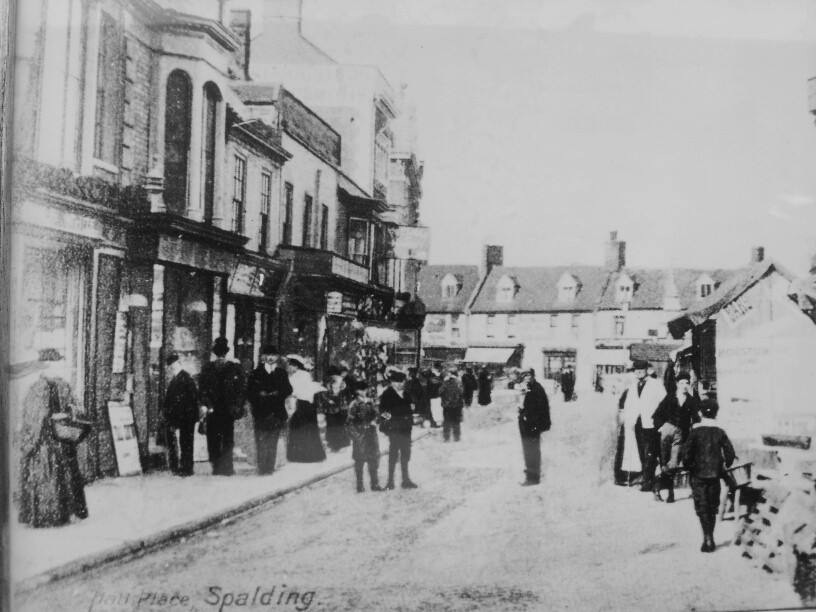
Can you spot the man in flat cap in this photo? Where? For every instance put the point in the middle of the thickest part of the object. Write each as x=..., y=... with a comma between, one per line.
x=180, y=414
x=642, y=399
x=534, y=418
x=221, y=385
x=267, y=389
x=453, y=402
x=397, y=421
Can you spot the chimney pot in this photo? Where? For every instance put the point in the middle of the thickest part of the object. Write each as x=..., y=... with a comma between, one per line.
x=757, y=254
x=492, y=256
x=615, y=258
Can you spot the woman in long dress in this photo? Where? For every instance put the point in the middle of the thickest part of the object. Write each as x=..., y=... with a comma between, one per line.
x=485, y=387
x=333, y=403
x=303, y=444
x=51, y=486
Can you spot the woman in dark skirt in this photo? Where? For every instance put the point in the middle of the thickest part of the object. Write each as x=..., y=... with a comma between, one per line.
x=303, y=445
x=485, y=387
x=334, y=404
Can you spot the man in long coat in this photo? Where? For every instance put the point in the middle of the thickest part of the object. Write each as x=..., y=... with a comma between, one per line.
x=452, y=404
x=267, y=389
x=469, y=386
x=642, y=399
x=221, y=385
x=395, y=410
x=180, y=414
x=534, y=418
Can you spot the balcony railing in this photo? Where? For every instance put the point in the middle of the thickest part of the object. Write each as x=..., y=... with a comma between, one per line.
x=319, y=262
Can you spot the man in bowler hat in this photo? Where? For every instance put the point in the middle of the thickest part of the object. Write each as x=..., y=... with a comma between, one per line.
x=221, y=384
x=180, y=414
x=398, y=419
x=267, y=389
x=534, y=418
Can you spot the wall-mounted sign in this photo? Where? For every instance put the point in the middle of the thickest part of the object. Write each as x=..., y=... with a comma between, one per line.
x=125, y=443
x=334, y=302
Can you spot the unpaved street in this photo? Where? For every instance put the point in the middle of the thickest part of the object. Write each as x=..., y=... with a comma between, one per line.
x=470, y=538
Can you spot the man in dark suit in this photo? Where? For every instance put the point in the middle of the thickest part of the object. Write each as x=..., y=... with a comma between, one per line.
x=534, y=418
x=267, y=389
x=180, y=414
x=398, y=419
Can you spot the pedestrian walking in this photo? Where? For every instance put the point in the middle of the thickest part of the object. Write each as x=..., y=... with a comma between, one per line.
x=469, y=386
x=434, y=385
x=452, y=404
x=51, y=487
x=534, y=418
x=221, y=387
x=333, y=403
x=180, y=415
x=303, y=444
x=417, y=393
x=365, y=444
x=706, y=454
x=568, y=383
x=485, y=384
x=397, y=422
x=673, y=420
x=267, y=390
x=642, y=400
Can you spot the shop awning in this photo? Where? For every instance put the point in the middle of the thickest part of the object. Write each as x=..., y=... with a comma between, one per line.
x=358, y=202
x=481, y=354
x=653, y=351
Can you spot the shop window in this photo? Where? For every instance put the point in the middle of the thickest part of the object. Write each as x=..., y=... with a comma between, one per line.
x=109, y=90
x=238, y=194
x=358, y=240
x=308, y=205
x=490, y=326
x=177, y=140
x=266, y=203
x=287, y=213
x=211, y=99
x=620, y=325
x=324, y=227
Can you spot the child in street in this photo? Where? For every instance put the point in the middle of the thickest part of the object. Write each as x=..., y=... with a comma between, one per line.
x=706, y=454
x=362, y=428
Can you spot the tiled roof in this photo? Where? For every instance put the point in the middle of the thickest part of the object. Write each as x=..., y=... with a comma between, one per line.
x=430, y=287
x=651, y=286
x=538, y=289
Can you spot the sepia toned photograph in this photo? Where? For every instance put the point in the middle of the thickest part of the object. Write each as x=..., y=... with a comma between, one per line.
x=427, y=305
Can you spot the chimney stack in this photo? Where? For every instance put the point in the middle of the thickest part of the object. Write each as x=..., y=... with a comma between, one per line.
x=757, y=254
x=240, y=23
x=492, y=256
x=615, y=258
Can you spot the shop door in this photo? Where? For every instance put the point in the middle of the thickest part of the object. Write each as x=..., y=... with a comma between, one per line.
x=244, y=341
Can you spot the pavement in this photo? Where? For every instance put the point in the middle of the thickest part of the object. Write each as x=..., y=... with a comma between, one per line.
x=130, y=516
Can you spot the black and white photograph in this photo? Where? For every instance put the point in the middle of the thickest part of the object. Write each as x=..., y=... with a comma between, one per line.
x=418, y=305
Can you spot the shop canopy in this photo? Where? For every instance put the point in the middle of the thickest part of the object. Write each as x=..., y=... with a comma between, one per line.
x=482, y=354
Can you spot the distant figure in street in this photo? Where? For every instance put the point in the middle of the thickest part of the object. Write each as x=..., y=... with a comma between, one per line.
x=267, y=391
x=624, y=477
x=642, y=399
x=418, y=394
x=434, y=385
x=221, y=386
x=673, y=420
x=469, y=386
x=51, y=486
x=485, y=384
x=452, y=405
x=568, y=383
x=706, y=454
x=333, y=403
x=180, y=415
x=534, y=418
x=397, y=422
x=303, y=444
x=361, y=424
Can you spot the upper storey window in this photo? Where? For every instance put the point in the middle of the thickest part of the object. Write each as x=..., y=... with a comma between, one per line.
x=506, y=289
x=450, y=286
x=705, y=285
x=177, y=121
x=109, y=90
x=624, y=289
x=212, y=97
x=567, y=288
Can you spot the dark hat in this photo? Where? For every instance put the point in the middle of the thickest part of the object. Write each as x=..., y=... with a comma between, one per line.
x=709, y=408
x=640, y=364
x=396, y=376
x=171, y=358
x=360, y=385
x=220, y=346
x=296, y=360
x=269, y=349
x=333, y=371
x=683, y=376
x=403, y=296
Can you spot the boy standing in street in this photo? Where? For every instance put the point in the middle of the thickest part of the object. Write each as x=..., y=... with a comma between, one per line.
x=707, y=453
x=361, y=424
x=452, y=404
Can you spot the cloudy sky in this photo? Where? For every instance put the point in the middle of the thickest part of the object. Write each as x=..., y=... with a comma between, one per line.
x=543, y=125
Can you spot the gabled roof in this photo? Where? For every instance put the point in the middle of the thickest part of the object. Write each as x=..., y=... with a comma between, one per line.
x=650, y=287
x=538, y=289
x=729, y=291
x=430, y=287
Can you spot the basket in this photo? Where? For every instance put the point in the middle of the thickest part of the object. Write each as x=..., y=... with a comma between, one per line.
x=67, y=429
x=740, y=475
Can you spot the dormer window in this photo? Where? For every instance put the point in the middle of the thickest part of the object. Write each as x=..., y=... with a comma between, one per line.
x=705, y=285
x=624, y=289
x=450, y=286
x=567, y=288
x=506, y=290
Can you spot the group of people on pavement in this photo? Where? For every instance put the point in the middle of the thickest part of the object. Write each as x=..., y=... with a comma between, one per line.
x=666, y=425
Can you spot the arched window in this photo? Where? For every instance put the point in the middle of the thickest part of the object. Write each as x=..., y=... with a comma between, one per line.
x=450, y=286
x=506, y=289
x=625, y=288
x=567, y=287
x=177, y=140
x=211, y=99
